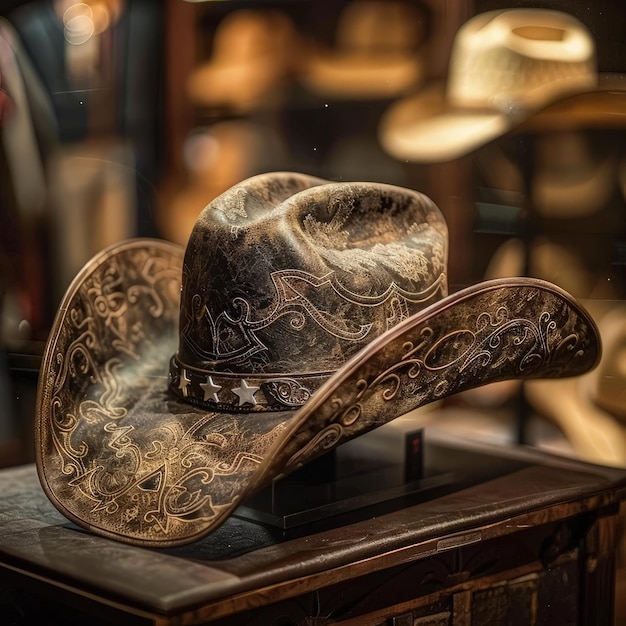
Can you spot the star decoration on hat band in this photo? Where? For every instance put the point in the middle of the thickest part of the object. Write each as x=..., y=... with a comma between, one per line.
x=245, y=393
x=210, y=389
x=228, y=391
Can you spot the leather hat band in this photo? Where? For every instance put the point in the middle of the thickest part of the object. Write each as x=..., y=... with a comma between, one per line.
x=239, y=393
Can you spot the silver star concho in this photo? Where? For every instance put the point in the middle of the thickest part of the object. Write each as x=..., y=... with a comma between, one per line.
x=210, y=389
x=184, y=382
x=246, y=393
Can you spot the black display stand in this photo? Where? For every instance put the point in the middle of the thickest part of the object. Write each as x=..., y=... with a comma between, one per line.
x=370, y=475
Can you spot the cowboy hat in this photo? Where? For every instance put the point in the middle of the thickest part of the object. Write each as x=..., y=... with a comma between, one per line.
x=505, y=65
x=310, y=313
x=574, y=173
x=375, y=53
x=253, y=54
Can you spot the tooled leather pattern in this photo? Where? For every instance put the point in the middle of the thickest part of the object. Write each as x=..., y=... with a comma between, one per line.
x=122, y=458
x=234, y=341
x=287, y=279
x=507, y=332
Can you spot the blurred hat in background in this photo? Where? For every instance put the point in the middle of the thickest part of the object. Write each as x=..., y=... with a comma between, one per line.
x=216, y=157
x=504, y=66
x=607, y=385
x=571, y=178
x=254, y=52
x=376, y=52
x=574, y=172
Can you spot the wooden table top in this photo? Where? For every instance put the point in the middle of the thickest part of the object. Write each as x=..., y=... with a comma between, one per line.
x=244, y=564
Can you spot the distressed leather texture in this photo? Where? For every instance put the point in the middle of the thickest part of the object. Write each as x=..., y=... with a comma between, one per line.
x=161, y=409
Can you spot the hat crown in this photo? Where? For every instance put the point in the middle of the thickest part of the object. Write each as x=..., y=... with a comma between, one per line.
x=520, y=58
x=287, y=276
x=245, y=34
x=375, y=26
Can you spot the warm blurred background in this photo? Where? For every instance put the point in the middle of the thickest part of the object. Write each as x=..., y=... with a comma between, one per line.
x=124, y=118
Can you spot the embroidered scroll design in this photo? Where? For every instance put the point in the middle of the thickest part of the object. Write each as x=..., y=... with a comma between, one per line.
x=287, y=391
x=119, y=464
x=296, y=292
x=432, y=363
x=103, y=303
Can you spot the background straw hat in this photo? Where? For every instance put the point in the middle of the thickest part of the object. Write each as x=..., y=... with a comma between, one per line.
x=504, y=66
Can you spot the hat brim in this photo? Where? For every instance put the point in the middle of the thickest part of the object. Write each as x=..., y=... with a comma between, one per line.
x=118, y=455
x=604, y=107
x=560, y=196
x=352, y=75
x=242, y=86
x=427, y=128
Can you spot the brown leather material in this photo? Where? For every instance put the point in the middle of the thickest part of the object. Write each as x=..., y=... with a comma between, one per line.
x=285, y=275
x=120, y=455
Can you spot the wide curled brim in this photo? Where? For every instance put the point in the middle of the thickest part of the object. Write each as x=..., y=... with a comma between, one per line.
x=120, y=456
x=428, y=128
x=425, y=128
x=345, y=75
